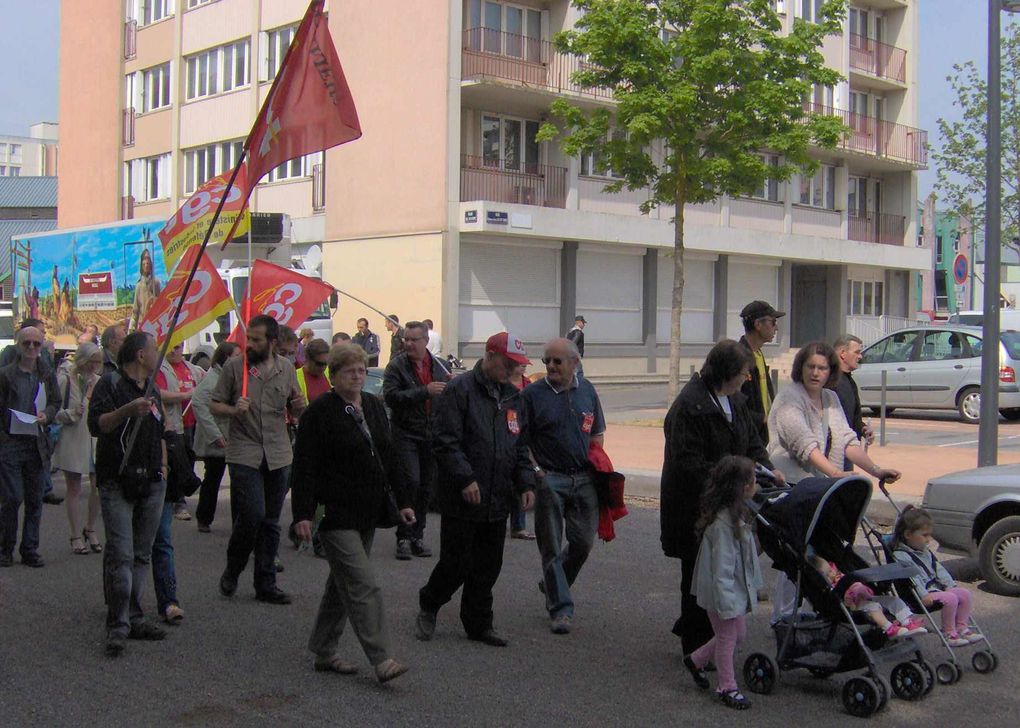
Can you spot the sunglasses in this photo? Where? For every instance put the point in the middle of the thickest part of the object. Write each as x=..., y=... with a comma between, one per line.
x=552, y=360
x=31, y=344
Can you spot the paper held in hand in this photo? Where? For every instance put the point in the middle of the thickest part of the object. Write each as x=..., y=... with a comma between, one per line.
x=23, y=423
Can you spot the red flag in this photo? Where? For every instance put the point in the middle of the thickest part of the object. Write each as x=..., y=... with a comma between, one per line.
x=309, y=108
x=285, y=294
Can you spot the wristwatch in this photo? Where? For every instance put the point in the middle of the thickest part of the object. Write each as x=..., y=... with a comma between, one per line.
x=537, y=469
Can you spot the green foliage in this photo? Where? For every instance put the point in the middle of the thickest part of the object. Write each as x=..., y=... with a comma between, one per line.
x=712, y=79
x=960, y=160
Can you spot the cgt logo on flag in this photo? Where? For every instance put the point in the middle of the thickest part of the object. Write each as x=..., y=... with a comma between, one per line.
x=189, y=225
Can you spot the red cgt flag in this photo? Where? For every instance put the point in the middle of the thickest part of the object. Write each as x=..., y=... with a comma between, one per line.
x=283, y=293
x=309, y=108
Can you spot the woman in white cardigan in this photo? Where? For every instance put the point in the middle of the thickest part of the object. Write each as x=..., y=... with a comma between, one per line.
x=74, y=453
x=808, y=432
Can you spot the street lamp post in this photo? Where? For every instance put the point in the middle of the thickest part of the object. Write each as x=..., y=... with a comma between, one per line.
x=988, y=440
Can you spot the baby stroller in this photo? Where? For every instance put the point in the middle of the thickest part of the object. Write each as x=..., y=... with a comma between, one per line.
x=949, y=671
x=820, y=516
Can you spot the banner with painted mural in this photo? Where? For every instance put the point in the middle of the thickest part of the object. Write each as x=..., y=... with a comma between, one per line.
x=189, y=224
x=81, y=280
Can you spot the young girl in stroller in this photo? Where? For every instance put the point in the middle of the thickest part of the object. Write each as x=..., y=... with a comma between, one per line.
x=934, y=585
x=860, y=598
x=727, y=575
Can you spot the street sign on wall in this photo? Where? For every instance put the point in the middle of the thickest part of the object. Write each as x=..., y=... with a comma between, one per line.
x=960, y=269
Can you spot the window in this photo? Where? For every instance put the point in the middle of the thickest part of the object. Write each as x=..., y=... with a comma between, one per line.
x=3, y=149
x=148, y=179
x=938, y=250
x=15, y=171
x=975, y=345
x=294, y=168
x=895, y=348
x=592, y=162
x=819, y=190
x=857, y=197
x=218, y=70
x=156, y=88
x=942, y=345
x=770, y=189
x=15, y=152
x=778, y=6
x=196, y=3
x=506, y=29
x=3, y=171
x=810, y=10
x=859, y=23
x=509, y=143
x=150, y=11
x=956, y=242
x=277, y=43
x=204, y=163
x=867, y=298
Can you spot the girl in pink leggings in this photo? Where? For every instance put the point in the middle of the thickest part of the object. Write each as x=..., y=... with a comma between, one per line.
x=726, y=575
x=910, y=543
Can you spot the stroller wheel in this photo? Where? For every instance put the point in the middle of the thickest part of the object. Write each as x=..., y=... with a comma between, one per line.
x=760, y=673
x=929, y=675
x=884, y=689
x=908, y=681
x=983, y=662
x=946, y=673
x=861, y=697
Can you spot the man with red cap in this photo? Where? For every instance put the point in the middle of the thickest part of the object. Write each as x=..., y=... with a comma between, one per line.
x=483, y=464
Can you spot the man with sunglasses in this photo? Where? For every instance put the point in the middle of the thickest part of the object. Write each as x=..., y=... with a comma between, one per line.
x=563, y=416
x=28, y=403
x=311, y=377
x=413, y=381
x=761, y=323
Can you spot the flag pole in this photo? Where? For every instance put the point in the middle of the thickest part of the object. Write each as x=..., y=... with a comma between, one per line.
x=369, y=305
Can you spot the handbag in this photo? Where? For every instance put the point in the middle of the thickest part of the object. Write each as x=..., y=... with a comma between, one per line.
x=181, y=478
x=389, y=517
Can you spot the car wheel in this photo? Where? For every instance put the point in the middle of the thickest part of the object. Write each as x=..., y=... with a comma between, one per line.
x=877, y=411
x=1011, y=413
x=968, y=404
x=999, y=556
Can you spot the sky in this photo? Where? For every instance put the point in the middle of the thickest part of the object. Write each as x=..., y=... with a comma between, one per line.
x=951, y=31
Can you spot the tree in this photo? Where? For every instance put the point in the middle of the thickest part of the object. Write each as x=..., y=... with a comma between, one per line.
x=961, y=158
x=714, y=85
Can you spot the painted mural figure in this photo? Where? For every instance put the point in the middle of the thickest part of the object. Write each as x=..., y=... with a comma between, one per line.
x=146, y=289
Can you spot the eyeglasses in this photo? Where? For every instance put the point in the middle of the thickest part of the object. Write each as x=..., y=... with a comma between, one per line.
x=31, y=344
x=552, y=360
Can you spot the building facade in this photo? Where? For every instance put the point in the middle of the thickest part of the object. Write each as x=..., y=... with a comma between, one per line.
x=449, y=208
x=27, y=205
x=31, y=156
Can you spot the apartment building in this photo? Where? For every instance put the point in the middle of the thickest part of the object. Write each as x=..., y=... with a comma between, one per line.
x=449, y=208
x=31, y=156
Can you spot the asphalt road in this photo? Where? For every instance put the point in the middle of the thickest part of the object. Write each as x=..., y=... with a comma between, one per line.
x=241, y=662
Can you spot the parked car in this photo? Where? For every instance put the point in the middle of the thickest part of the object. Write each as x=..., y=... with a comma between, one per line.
x=374, y=381
x=938, y=367
x=978, y=511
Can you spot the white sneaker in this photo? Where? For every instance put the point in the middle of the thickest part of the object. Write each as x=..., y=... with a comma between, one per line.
x=955, y=640
x=971, y=635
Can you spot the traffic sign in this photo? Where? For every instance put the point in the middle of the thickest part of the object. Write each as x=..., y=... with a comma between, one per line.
x=960, y=269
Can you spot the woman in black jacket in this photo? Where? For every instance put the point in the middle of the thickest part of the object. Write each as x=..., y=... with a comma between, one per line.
x=343, y=459
x=708, y=419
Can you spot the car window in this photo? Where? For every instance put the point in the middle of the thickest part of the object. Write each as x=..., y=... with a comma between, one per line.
x=974, y=343
x=1011, y=340
x=942, y=345
x=896, y=347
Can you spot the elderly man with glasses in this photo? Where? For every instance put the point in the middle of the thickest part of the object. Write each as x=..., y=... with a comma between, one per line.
x=563, y=416
x=413, y=380
x=28, y=403
x=761, y=324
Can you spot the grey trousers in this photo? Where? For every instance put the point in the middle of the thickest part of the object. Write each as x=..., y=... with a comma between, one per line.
x=351, y=592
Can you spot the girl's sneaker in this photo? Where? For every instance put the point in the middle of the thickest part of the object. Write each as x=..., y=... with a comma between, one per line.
x=915, y=626
x=971, y=635
x=895, y=631
x=955, y=640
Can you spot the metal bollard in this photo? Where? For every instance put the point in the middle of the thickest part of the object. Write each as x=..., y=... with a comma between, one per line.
x=881, y=411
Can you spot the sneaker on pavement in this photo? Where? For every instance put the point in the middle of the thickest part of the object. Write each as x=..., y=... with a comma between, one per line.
x=560, y=624
x=228, y=584
x=418, y=548
x=34, y=561
x=273, y=596
x=173, y=614
x=489, y=637
x=971, y=635
x=204, y=527
x=955, y=640
x=181, y=512
x=425, y=625
x=147, y=632
x=403, y=550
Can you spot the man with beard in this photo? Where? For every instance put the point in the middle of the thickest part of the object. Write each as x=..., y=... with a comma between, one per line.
x=258, y=453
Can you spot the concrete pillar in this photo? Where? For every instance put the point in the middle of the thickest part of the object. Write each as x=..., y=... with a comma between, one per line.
x=722, y=297
x=568, y=286
x=836, y=286
x=649, y=304
x=785, y=303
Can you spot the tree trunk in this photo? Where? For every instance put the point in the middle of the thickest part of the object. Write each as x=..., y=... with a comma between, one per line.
x=680, y=197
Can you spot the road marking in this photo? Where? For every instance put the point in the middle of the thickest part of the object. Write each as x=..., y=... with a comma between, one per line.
x=974, y=442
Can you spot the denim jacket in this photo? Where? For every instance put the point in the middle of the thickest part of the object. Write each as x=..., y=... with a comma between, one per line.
x=932, y=575
x=727, y=575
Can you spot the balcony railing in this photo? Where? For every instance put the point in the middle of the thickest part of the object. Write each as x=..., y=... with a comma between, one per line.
x=877, y=227
x=881, y=138
x=878, y=59
x=533, y=184
x=128, y=127
x=130, y=36
x=318, y=187
x=528, y=61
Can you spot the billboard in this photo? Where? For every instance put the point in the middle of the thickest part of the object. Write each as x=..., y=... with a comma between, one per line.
x=97, y=275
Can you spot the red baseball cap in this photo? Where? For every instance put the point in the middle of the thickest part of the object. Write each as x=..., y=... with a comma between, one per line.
x=509, y=346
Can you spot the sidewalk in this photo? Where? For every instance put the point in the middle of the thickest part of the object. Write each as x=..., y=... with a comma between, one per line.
x=636, y=451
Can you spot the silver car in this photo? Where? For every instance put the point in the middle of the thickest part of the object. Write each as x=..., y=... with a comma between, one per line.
x=938, y=367
x=978, y=511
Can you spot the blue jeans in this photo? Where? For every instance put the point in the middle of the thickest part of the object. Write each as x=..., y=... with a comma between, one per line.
x=564, y=501
x=130, y=531
x=164, y=576
x=256, y=498
x=518, y=516
x=20, y=466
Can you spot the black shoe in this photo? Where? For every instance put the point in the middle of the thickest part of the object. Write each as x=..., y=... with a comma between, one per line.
x=273, y=596
x=6, y=560
x=489, y=637
x=114, y=645
x=204, y=527
x=403, y=550
x=228, y=584
x=426, y=625
x=278, y=565
x=33, y=560
x=418, y=548
x=52, y=499
x=733, y=699
x=700, y=678
x=146, y=631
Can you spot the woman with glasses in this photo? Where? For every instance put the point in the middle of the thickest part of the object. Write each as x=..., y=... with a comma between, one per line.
x=343, y=459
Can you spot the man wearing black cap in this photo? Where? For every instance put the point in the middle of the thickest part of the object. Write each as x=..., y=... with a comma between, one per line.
x=760, y=326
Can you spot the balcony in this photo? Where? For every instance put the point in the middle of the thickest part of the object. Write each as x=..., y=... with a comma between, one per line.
x=528, y=62
x=130, y=39
x=877, y=227
x=877, y=59
x=884, y=139
x=537, y=184
x=128, y=127
x=319, y=187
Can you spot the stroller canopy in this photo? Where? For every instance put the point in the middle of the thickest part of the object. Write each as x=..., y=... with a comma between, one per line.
x=821, y=512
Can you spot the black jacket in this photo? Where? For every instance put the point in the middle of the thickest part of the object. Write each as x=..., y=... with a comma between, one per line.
x=850, y=399
x=406, y=397
x=697, y=437
x=48, y=379
x=577, y=336
x=476, y=438
x=397, y=343
x=335, y=465
x=752, y=391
